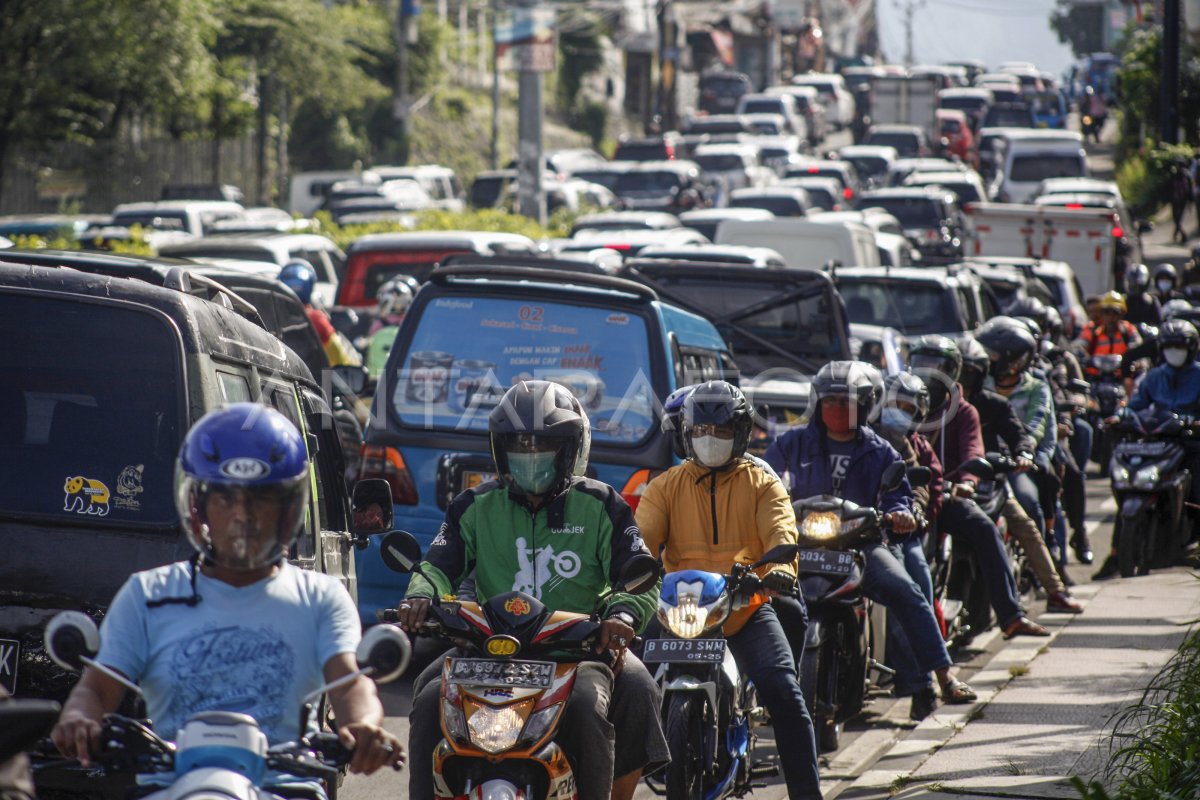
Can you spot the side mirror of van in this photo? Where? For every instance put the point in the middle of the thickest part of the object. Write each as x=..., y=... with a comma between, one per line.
x=371, y=509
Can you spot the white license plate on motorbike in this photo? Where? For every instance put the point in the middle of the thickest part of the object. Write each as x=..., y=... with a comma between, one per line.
x=516, y=674
x=826, y=562
x=686, y=651
x=10, y=657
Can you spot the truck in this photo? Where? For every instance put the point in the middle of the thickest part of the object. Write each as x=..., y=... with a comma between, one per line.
x=905, y=100
x=1083, y=238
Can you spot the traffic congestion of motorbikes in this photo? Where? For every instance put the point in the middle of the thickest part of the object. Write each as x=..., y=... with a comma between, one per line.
x=649, y=501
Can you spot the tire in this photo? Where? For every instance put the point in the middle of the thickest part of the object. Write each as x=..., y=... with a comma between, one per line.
x=685, y=736
x=828, y=726
x=1133, y=545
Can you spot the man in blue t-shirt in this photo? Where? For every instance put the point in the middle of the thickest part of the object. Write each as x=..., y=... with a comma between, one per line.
x=238, y=629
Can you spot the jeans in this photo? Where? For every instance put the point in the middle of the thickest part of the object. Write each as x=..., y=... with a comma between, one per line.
x=761, y=651
x=793, y=617
x=1025, y=490
x=610, y=727
x=966, y=520
x=919, y=647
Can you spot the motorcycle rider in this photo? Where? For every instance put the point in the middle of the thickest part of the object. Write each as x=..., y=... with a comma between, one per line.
x=718, y=508
x=393, y=300
x=1112, y=335
x=1166, y=283
x=1173, y=385
x=540, y=439
x=237, y=628
x=1143, y=307
x=953, y=430
x=1003, y=432
x=299, y=276
x=838, y=453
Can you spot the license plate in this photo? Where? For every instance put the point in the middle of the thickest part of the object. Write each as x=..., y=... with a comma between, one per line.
x=690, y=651
x=10, y=657
x=472, y=478
x=826, y=562
x=517, y=674
x=1142, y=448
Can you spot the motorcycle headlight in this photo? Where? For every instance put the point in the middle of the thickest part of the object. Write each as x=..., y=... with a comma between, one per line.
x=495, y=729
x=821, y=525
x=687, y=619
x=540, y=723
x=1147, y=477
x=1120, y=474
x=456, y=725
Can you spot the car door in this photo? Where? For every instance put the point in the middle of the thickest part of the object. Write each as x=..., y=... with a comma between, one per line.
x=330, y=489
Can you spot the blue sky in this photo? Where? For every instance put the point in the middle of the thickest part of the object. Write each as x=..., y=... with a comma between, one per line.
x=991, y=30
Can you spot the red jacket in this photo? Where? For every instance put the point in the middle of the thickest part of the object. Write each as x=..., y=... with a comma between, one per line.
x=927, y=458
x=957, y=438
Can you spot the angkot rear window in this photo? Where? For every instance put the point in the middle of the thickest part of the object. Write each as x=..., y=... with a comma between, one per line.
x=468, y=350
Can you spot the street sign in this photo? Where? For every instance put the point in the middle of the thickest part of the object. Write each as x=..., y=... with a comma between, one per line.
x=525, y=40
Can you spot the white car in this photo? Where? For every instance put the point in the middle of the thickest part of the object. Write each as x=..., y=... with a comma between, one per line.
x=782, y=104
x=839, y=103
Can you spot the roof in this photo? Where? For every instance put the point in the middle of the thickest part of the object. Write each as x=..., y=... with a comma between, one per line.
x=981, y=92
x=450, y=240
x=767, y=191
x=895, y=128
x=730, y=148
x=1089, y=185
x=929, y=192
x=923, y=274
x=709, y=214
x=710, y=252
x=647, y=219
x=1087, y=199
x=670, y=236
x=178, y=205
x=869, y=151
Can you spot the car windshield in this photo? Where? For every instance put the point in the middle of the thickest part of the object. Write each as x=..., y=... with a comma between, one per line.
x=963, y=103
x=869, y=166
x=605, y=177
x=779, y=205
x=965, y=191
x=238, y=254
x=763, y=106
x=95, y=429
x=822, y=198
x=159, y=220
x=485, y=192
x=716, y=126
x=658, y=182
x=724, y=86
x=1035, y=168
x=467, y=350
x=720, y=162
x=1008, y=118
x=912, y=212
x=914, y=308
x=903, y=142
x=652, y=151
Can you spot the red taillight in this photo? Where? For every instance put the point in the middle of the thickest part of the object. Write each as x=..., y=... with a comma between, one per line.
x=1074, y=206
x=618, y=247
x=634, y=488
x=1117, y=232
x=387, y=463
x=848, y=193
x=670, y=148
x=814, y=170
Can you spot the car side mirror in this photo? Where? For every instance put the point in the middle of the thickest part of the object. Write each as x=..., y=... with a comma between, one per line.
x=639, y=574
x=371, y=508
x=401, y=552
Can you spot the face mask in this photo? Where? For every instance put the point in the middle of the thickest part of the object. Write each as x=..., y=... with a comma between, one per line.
x=532, y=473
x=712, y=451
x=835, y=418
x=1165, y=286
x=896, y=419
x=1175, y=356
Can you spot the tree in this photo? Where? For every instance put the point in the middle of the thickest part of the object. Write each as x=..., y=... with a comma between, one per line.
x=1080, y=26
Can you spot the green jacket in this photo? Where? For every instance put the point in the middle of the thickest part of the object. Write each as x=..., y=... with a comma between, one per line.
x=565, y=554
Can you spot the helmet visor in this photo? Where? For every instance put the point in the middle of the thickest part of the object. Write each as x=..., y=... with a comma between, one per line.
x=242, y=527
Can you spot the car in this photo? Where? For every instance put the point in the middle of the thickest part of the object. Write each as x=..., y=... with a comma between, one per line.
x=650, y=148
x=719, y=127
x=966, y=184
x=263, y=219
x=781, y=104
x=326, y=258
x=404, y=193
x=192, y=217
x=671, y=186
x=931, y=217
x=948, y=300
x=439, y=182
x=972, y=66
x=1050, y=109
x=49, y=226
x=93, y=500
x=731, y=166
x=712, y=253
x=630, y=242
x=780, y=152
x=470, y=333
x=824, y=193
x=625, y=220
x=842, y=171
x=1056, y=276
x=947, y=76
x=573, y=194
x=767, y=125
x=1011, y=282
x=375, y=258
x=782, y=201
x=720, y=91
x=877, y=219
x=1073, y=186
x=1009, y=115
x=307, y=190
x=895, y=251
x=1028, y=158
x=810, y=106
x=1027, y=74
x=956, y=140
x=910, y=141
x=973, y=101
x=870, y=162
x=706, y=220
x=488, y=187
x=201, y=191
x=904, y=168
x=839, y=103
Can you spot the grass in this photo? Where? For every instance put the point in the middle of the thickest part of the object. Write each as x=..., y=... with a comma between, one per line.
x=900, y=782
x=1017, y=670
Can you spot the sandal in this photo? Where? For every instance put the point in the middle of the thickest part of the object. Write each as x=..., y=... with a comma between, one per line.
x=957, y=693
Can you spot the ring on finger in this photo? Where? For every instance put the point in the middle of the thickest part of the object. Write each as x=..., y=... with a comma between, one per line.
x=620, y=640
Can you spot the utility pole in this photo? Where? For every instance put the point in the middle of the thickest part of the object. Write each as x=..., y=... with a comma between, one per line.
x=1168, y=104
x=909, y=9
x=530, y=114
x=495, y=86
x=404, y=35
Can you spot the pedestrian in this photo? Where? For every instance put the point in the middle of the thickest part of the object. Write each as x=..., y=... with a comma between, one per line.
x=1181, y=195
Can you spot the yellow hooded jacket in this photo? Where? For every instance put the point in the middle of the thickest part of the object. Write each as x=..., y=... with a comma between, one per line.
x=710, y=519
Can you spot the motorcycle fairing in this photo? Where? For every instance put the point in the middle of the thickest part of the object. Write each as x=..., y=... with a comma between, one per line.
x=711, y=586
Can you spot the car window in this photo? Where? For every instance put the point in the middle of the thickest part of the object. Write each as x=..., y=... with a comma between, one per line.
x=298, y=334
x=646, y=182
x=763, y=106
x=93, y=432
x=911, y=212
x=724, y=162
x=485, y=192
x=779, y=206
x=1034, y=168
x=234, y=388
x=903, y=142
x=467, y=350
x=282, y=397
x=640, y=152
x=259, y=254
x=911, y=307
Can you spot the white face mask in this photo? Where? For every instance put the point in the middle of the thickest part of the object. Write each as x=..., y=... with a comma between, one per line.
x=1175, y=356
x=1165, y=286
x=711, y=451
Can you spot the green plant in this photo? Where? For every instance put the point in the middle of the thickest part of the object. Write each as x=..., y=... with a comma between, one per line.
x=1017, y=670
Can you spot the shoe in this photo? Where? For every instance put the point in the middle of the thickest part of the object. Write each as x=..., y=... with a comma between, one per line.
x=1082, y=547
x=923, y=704
x=957, y=693
x=1067, y=580
x=1063, y=603
x=1109, y=569
x=1024, y=626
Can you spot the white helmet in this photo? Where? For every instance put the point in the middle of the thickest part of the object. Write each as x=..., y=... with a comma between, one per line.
x=394, y=297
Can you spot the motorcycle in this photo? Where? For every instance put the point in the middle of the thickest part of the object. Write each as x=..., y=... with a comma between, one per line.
x=217, y=755
x=500, y=714
x=1108, y=395
x=709, y=708
x=1151, y=487
x=1091, y=127
x=960, y=594
x=840, y=644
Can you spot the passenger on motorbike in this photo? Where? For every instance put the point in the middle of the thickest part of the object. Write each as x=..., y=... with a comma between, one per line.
x=392, y=302
x=1003, y=432
x=301, y=278
x=716, y=509
x=953, y=430
x=1143, y=307
x=839, y=454
x=1173, y=385
x=501, y=530
x=1112, y=335
x=1166, y=283
x=237, y=628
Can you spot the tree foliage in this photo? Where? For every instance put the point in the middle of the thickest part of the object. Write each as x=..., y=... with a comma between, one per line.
x=1080, y=26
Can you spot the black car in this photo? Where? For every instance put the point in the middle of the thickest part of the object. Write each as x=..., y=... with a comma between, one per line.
x=720, y=91
x=931, y=218
x=1009, y=115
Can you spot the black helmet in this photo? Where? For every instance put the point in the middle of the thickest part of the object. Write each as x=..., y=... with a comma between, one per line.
x=1031, y=308
x=1179, y=333
x=1164, y=271
x=1137, y=278
x=717, y=403
x=937, y=361
x=1009, y=344
x=537, y=418
x=908, y=388
x=857, y=380
x=672, y=420
x=976, y=363
x=1053, y=329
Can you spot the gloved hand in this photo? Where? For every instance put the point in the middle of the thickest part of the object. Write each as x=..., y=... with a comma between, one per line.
x=779, y=582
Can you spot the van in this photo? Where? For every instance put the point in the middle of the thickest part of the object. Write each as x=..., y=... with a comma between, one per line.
x=1028, y=159
x=440, y=183
x=473, y=331
x=307, y=190
x=93, y=434
x=805, y=244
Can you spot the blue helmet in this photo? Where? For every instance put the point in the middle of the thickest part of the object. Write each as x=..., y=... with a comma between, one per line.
x=242, y=485
x=300, y=277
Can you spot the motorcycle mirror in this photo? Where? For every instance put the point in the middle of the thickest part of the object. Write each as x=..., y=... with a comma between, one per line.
x=400, y=551
x=639, y=575
x=892, y=477
x=977, y=466
x=71, y=637
x=351, y=378
x=23, y=722
x=780, y=554
x=371, y=507
x=919, y=476
x=385, y=652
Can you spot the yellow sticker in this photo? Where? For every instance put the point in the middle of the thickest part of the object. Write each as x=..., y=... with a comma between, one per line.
x=85, y=496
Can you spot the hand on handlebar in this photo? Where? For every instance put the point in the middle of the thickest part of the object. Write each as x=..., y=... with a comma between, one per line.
x=778, y=582
x=412, y=612
x=77, y=737
x=1024, y=464
x=901, y=521
x=963, y=490
x=614, y=635
x=373, y=747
